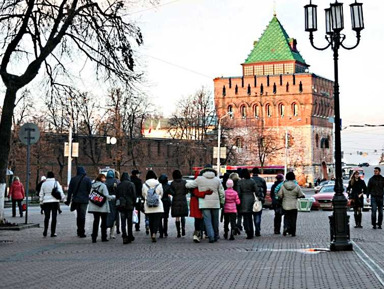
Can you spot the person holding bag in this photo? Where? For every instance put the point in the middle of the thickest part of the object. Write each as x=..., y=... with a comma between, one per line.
x=289, y=192
x=50, y=203
x=100, y=211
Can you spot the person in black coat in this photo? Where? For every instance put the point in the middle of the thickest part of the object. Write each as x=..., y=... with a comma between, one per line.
x=78, y=192
x=135, y=174
x=179, y=202
x=356, y=190
x=166, y=199
x=276, y=204
x=376, y=191
x=125, y=203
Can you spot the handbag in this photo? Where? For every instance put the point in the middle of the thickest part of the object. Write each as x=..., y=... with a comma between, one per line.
x=135, y=217
x=257, y=205
x=55, y=192
x=96, y=197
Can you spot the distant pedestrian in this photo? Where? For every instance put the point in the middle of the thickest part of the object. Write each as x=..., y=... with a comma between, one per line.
x=356, y=190
x=17, y=194
x=38, y=187
x=154, y=213
x=135, y=178
x=247, y=189
x=179, y=202
x=166, y=199
x=113, y=218
x=230, y=210
x=125, y=203
x=78, y=196
x=262, y=185
x=50, y=203
x=100, y=212
x=376, y=190
x=289, y=192
x=276, y=203
x=239, y=219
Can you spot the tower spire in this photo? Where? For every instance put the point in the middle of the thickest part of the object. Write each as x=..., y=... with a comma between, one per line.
x=274, y=7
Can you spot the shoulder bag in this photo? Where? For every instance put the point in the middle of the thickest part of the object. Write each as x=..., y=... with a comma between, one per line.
x=257, y=205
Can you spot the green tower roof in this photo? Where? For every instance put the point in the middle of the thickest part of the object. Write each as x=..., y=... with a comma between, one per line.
x=274, y=45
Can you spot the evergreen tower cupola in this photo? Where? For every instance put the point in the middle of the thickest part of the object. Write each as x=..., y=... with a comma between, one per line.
x=274, y=53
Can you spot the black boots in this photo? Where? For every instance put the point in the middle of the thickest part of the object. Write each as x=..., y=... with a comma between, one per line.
x=358, y=218
x=178, y=229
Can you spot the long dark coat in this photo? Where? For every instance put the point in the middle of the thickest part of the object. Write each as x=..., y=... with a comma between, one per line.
x=179, y=201
x=246, y=188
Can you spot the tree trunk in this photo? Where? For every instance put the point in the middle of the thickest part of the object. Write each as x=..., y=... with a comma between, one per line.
x=5, y=137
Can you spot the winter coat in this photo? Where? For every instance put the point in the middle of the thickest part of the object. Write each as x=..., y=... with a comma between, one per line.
x=83, y=183
x=246, y=190
x=126, y=194
x=208, y=181
x=262, y=185
x=274, y=198
x=101, y=188
x=138, y=185
x=166, y=199
x=376, y=187
x=231, y=200
x=194, y=210
x=16, y=191
x=355, y=190
x=179, y=201
x=159, y=190
x=289, y=193
x=46, y=190
x=111, y=182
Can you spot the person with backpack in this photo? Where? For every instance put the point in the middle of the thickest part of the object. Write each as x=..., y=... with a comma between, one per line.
x=125, y=203
x=179, y=202
x=262, y=186
x=113, y=218
x=166, y=199
x=153, y=206
x=100, y=212
x=276, y=203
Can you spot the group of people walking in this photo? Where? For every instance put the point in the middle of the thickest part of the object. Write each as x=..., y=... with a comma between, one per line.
x=125, y=197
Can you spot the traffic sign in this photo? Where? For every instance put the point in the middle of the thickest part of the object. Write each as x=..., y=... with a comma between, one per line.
x=29, y=134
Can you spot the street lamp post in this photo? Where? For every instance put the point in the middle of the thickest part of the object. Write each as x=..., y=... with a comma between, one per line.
x=229, y=113
x=334, y=18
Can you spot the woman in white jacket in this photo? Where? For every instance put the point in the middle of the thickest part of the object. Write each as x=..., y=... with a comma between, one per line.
x=154, y=213
x=100, y=212
x=50, y=203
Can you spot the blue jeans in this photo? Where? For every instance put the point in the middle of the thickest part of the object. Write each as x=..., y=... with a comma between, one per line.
x=377, y=204
x=257, y=222
x=211, y=221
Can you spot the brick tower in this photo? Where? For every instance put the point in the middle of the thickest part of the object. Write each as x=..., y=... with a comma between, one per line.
x=277, y=97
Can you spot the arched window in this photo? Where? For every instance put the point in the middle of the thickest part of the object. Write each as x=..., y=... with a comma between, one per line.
x=268, y=110
x=243, y=111
x=256, y=111
x=287, y=87
x=236, y=89
x=230, y=109
x=274, y=88
x=295, y=109
x=317, y=140
x=249, y=89
x=261, y=89
x=300, y=87
x=239, y=144
x=281, y=109
x=224, y=92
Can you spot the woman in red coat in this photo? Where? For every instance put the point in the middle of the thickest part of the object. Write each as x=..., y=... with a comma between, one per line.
x=196, y=213
x=17, y=194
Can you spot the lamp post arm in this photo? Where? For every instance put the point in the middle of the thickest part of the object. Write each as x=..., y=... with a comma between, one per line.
x=357, y=43
x=311, y=39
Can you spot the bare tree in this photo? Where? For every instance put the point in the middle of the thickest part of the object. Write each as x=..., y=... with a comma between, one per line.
x=48, y=33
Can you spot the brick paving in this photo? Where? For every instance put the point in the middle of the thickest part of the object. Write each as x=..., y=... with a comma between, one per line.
x=27, y=260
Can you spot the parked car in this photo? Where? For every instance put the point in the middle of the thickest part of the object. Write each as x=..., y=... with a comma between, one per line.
x=323, y=183
x=323, y=199
x=364, y=165
x=268, y=200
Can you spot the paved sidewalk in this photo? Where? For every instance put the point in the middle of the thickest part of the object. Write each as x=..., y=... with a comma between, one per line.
x=27, y=260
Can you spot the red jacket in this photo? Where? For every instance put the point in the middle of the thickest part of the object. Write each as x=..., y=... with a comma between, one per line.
x=194, y=210
x=231, y=200
x=16, y=191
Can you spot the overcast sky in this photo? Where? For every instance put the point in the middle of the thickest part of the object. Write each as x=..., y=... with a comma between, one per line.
x=187, y=43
